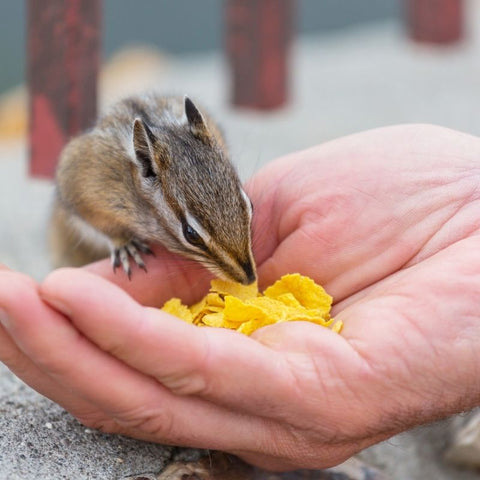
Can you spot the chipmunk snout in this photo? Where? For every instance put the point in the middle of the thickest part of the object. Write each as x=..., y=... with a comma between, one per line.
x=249, y=272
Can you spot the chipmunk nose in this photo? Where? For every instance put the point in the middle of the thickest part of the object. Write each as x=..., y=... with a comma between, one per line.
x=249, y=270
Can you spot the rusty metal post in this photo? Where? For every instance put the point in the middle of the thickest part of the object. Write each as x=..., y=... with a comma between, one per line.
x=63, y=56
x=435, y=21
x=258, y=40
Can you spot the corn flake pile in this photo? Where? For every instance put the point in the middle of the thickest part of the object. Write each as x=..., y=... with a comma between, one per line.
x=231, y=305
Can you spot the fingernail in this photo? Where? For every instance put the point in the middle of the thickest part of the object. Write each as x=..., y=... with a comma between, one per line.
x=4, y=318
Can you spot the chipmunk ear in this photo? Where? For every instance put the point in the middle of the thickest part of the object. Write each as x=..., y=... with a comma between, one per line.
x=143, y=140
x=196, y=122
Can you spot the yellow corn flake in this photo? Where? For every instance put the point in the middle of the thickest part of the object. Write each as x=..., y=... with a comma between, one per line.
x=243, y=292
x=238, y=311
x=304, y=289
x=242, y=308
x=174, y=306
x=337, y=326
x=197, y=308
x=289, y=300
x=249, y=327
x=214, y=299
x=212, y=320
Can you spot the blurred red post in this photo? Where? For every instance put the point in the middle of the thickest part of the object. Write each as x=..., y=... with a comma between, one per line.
x=435, y=21
x=63, y=55
x=258, y=40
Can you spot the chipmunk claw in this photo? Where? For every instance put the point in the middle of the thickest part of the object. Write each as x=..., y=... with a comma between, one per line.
x=121, y=256
x=142, y=247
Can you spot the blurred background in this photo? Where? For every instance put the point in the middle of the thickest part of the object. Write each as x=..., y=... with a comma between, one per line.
x=350, y=66
x=180, y=26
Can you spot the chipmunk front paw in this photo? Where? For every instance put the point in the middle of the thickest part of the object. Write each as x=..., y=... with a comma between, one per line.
x=121, y=256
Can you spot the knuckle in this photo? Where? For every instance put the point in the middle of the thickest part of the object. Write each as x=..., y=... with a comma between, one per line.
x=146, y=422
x=186, y=383
x=100, y=423
x=193, y=373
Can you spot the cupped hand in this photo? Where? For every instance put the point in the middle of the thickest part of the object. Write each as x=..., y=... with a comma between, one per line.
x=386, y=220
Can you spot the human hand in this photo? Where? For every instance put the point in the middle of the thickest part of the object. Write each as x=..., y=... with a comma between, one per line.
x=386, y=220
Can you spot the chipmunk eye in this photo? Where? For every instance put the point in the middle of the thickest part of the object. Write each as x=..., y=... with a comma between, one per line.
x=191, y=235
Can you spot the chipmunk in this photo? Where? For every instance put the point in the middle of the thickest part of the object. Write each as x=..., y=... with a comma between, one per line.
x=153, y=169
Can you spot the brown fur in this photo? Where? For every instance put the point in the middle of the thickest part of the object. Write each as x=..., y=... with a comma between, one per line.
x=138, y=175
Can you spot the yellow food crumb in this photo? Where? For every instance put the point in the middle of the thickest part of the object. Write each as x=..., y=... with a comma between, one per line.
x=243, y=308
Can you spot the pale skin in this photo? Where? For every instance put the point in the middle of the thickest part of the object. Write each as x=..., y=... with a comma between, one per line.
x=388, y=221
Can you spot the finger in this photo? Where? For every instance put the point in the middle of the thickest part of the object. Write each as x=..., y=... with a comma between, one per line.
x=216, y=364
x=23, y=367
x=168, y=275
x=251, y=438
x=137, y=403
x=12, y=287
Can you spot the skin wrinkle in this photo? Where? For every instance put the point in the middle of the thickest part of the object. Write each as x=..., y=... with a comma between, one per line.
x=125, y=426
x=378, y=363
x=380, y=288
x=157, y=423
x=288, y=381
x=297, y=445
x=292, y=442
x=401, y=217
x=439, y=239
x=101, y=423
x=475, y=194
x=451, y=207
x=416, y=255
x=414, y=323
x=297, y=363
x=333, y=373
x=297, y=383
x=193, y=382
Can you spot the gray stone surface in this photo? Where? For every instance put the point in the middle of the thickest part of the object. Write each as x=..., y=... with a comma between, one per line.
x=346, y=82
x=43, y=441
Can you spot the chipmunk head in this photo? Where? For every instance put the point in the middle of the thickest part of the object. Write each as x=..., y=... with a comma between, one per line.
x=200, y=208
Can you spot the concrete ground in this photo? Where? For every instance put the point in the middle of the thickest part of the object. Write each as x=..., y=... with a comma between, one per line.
x=342, y=83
